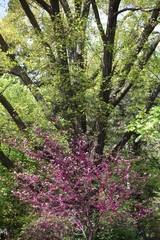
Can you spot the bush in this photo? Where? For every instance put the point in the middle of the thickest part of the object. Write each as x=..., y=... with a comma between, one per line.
x=75, y=185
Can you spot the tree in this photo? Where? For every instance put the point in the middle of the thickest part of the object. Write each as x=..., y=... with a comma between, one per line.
x=67, y=185
x=85, y=66
x=58, y=48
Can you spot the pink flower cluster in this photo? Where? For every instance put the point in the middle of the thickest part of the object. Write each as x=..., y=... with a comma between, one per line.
x=70, y=184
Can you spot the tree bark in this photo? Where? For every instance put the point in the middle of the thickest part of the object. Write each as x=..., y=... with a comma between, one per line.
x=6, y=161
x=105, y=88
x=21, y=125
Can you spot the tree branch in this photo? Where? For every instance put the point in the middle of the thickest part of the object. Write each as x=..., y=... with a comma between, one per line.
x=66, y=9
x=19, y=71
x=4, y=45
x=54, y=8
x=86, y=7
x=30, y=15
x=148, y=29
x=21, y=125
x=150, y=51
x=140, y=65
x=115, y=101
x=126, y=137
x=95, y=74
x=136, y=9
x=35, y=25
x=6, y=161
x=44, y=5
x=152, y=98
x=141, y=41
x=98, y=21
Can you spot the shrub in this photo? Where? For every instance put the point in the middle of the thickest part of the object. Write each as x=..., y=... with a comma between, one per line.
x=75, y=185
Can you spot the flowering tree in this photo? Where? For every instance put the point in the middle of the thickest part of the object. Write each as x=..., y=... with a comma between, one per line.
x=74, y=185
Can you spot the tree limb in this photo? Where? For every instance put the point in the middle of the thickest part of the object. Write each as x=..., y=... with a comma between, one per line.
x=6, y=161
x=140, y=65
x=21, y=125
x=148, y=29
x=44, y=5
x=86, y=7
x=98, y=21
x=95, y=74
x=30, y=15
x=19, y=71
x=115, y=101
x=152, y=98
x=66, y=9
x=35, y=25
x=4, y=45
x=150, y=51
x=54, y=8
x=126, y=137
x=136, y=9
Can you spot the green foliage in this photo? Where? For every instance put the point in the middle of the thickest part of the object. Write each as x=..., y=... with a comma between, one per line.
x=61, y=62
x=120, y=233
x=13, y=212
x=147, y=125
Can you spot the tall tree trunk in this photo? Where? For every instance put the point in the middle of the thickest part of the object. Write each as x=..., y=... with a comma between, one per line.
x=106, y=74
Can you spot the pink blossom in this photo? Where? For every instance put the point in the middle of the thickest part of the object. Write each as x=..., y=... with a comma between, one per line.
x=70, y=185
